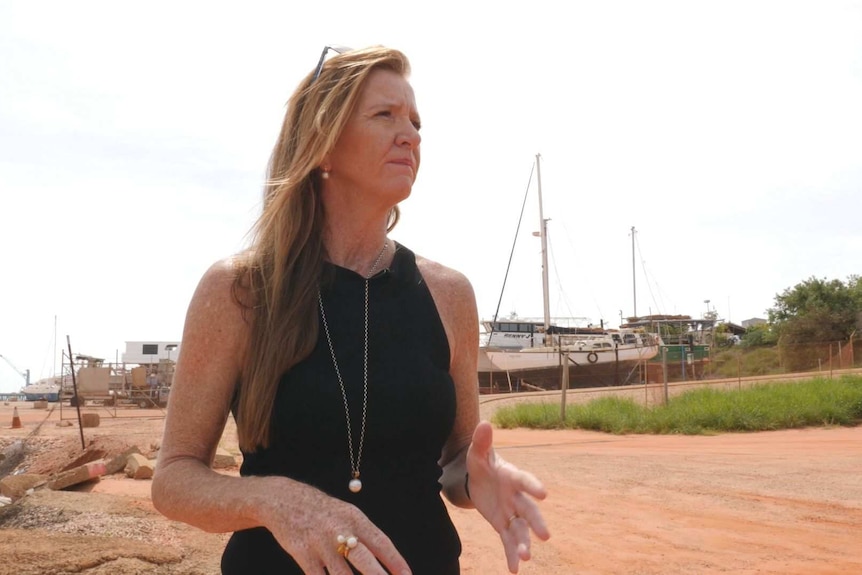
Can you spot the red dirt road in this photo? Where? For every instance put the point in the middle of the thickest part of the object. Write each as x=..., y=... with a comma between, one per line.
x=785, y=502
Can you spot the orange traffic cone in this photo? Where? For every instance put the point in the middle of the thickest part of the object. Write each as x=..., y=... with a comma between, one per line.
x=16, y=421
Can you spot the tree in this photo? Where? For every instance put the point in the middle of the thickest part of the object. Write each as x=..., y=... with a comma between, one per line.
x=758, y=336
x=817, y=310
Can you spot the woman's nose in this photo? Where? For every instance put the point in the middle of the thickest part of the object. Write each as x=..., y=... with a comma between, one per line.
x=409, y=136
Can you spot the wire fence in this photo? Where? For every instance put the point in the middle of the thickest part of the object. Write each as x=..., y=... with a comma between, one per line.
x=817, y=358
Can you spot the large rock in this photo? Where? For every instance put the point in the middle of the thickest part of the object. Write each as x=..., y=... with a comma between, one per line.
x=86, y=472
x=118, y=463
x=90, y=420
x=139, y=467
x=223, y=459
x=16, y=486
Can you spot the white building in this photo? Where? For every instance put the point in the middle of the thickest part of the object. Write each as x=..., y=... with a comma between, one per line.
x=151, y=352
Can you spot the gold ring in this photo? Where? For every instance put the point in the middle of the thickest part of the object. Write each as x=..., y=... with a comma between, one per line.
x=512, y=518
x=345, y=544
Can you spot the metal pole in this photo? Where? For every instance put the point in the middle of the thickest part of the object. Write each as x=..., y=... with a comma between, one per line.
x=546, y=298
x=682, y=361
x=634, y=283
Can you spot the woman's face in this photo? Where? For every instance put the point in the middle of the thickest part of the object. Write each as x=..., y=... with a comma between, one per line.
x=378, y=151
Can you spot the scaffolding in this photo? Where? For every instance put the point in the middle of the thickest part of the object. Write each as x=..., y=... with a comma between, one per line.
x=90, y=381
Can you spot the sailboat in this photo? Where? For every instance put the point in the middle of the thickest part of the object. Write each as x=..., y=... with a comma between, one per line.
x=537, y=350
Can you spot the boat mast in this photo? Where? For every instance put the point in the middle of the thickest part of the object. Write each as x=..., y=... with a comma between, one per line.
x=634, y=287
x=543, y=232
x=54, y=363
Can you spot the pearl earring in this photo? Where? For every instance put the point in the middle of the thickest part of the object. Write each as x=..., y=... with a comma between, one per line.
x=324, y=174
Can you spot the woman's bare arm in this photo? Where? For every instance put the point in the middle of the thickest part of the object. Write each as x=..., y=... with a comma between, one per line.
x=456, y=304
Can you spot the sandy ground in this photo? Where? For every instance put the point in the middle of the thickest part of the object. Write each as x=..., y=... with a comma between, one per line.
x=785, y=502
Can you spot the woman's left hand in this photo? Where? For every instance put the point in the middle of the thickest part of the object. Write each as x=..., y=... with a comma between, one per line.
x=504, y=495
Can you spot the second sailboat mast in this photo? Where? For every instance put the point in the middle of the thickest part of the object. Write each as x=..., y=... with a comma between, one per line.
x=543, y=232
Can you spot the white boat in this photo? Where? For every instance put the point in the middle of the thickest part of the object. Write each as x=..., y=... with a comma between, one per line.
x=614, y=347
x=537, y=350
x=47, y=389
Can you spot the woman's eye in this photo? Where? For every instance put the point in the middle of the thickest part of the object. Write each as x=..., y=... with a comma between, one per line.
x=417, y=124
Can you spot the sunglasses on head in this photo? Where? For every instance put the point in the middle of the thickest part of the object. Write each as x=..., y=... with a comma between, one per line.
x=326, y=49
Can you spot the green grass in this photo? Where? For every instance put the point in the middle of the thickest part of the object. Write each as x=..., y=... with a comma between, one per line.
x=815, y=402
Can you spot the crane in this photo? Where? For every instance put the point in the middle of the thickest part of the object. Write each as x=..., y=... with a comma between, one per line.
x=25, y=374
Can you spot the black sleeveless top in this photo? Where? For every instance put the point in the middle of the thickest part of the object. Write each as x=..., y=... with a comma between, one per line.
x=410, y=414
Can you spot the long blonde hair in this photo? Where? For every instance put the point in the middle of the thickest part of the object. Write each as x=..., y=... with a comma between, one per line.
x=278, y=279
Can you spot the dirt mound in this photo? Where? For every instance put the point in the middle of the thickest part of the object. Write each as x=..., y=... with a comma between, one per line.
x=64, y=532
x=81, y=531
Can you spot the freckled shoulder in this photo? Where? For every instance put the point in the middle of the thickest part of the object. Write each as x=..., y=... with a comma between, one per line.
x=216, y=330
x=450, y=288
x=455, y=301
x=214, y=296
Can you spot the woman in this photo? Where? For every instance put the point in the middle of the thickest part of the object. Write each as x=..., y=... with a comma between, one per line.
x=348, y=362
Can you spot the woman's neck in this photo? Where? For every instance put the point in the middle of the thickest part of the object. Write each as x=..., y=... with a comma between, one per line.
x=366, y=255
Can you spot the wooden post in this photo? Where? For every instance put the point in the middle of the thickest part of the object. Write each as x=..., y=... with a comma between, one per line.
x=646, y=386
x=840, y=359
x=78, y=399
x=564, y=385
x=664, y=372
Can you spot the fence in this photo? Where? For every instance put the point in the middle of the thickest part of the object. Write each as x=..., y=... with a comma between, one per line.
x=818, y=358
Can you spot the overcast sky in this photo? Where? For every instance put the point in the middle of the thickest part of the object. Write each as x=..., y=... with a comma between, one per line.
x=134, y=138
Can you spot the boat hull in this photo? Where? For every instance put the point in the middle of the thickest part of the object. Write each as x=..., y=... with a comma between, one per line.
x=42, y=396
x=506, y=369
x=542, y=358
x=601, y=375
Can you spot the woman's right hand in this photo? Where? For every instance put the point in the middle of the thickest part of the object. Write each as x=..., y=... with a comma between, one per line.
x=308, y=524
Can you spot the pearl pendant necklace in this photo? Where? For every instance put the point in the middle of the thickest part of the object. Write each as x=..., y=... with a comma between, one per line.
x=355, y=484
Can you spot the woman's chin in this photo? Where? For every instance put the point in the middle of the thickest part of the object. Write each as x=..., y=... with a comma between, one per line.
x=401, y=191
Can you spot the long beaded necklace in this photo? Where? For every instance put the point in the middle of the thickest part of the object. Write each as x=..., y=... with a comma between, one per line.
x=355, y=485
